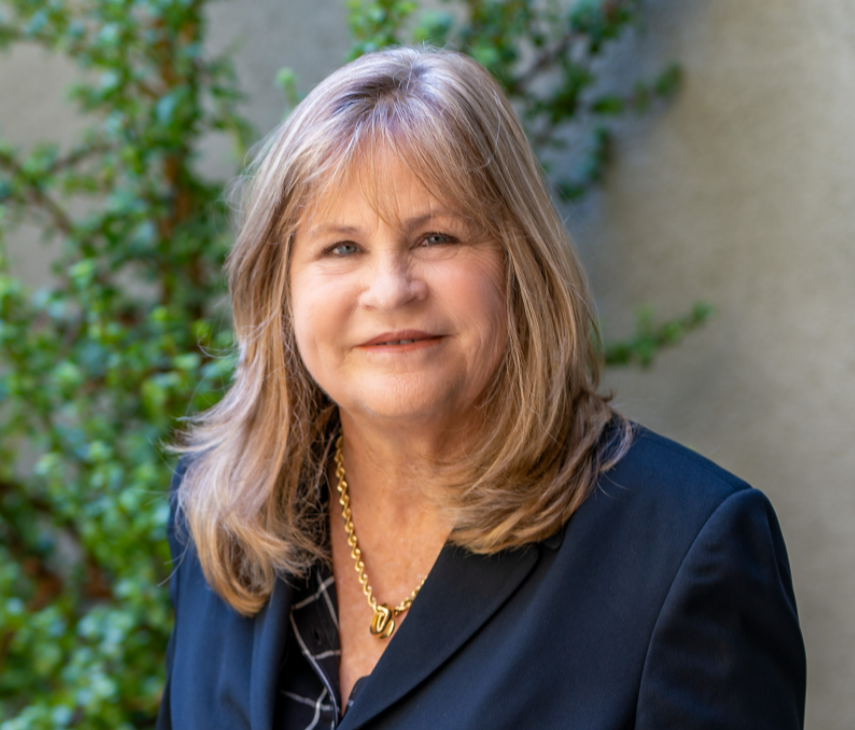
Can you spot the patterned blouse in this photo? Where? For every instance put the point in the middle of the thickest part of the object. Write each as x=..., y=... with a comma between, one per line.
x=309, y=695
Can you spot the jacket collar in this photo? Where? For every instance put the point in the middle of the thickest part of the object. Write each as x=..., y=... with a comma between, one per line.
x=461, y=593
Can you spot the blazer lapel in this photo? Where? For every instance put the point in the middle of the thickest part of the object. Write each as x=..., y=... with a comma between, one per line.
x=268, y=642
x=461, y=593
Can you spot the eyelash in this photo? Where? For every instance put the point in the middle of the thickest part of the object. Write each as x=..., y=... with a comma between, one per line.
x=332, y=250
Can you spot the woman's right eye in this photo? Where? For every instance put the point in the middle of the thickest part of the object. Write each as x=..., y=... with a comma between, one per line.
x=343, y=249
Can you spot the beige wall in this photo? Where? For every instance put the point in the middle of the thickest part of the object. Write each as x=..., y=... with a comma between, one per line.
x=742, y=193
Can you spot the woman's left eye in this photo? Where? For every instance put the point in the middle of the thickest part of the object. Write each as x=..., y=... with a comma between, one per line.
x=437, y=239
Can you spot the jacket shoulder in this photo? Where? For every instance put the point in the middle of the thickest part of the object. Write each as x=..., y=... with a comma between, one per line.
x=653, y=504
x=660, y=471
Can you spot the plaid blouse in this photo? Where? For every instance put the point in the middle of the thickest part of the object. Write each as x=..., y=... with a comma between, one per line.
x=309, y=694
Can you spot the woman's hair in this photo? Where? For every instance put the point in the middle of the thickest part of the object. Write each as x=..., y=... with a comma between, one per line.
x=252, y=494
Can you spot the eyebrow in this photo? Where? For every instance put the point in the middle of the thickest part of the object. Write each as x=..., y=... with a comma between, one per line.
x=333, y=228
x=409, y=225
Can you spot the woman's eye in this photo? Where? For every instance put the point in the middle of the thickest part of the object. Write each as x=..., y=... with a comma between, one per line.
x=343, y=249
x=437, y=239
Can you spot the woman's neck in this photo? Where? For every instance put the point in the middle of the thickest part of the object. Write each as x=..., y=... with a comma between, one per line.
x=391, y=468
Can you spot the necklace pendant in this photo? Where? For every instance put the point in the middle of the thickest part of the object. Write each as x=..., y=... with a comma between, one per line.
x=382, y=625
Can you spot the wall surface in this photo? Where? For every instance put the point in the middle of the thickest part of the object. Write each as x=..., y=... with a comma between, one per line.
x=740, y=193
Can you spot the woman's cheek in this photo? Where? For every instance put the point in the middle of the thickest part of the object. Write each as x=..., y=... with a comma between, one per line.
x=307, y=318
x=321, y=317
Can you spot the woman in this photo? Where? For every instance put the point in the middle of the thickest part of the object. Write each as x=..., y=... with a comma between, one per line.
x=412, y=509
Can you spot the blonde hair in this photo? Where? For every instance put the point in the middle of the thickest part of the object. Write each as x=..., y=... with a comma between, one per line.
x=252, y=495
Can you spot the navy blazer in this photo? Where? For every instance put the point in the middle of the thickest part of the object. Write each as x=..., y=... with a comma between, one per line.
x=665, y=602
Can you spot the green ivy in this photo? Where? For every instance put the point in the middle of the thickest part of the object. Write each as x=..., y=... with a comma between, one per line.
x=97, y=367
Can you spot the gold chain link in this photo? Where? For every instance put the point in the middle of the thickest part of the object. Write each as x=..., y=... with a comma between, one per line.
x=383, y=623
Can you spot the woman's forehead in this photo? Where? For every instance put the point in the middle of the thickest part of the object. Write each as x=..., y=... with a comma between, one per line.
x=381, y=186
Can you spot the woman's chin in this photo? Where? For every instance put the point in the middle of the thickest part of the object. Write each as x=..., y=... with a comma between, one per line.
x=393, y=411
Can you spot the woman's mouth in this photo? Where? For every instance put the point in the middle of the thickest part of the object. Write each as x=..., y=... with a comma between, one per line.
x=401, y=340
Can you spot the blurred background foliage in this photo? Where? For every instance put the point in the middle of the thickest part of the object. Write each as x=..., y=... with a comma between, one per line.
x=97, y=368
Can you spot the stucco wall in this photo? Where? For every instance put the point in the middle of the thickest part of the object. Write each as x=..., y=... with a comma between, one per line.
x=741, y=193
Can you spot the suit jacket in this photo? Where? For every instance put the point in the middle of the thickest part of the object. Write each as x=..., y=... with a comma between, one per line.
x=665, y=602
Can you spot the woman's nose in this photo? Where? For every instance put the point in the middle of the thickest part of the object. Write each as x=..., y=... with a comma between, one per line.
x=391, y=284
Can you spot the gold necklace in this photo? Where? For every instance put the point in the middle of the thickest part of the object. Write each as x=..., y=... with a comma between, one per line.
x=383, y=623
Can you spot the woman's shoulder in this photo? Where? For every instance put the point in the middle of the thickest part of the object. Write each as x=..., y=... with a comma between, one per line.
x=661, y=497
x=659, y=471
x=688, y=564
x=666, y=523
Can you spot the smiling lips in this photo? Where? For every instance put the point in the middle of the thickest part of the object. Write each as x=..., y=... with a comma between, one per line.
x=400, y=341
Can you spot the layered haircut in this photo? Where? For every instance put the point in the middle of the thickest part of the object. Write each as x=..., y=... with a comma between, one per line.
x=252, y=495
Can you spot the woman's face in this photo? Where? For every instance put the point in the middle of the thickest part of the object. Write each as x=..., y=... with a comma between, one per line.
x=398, y=304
